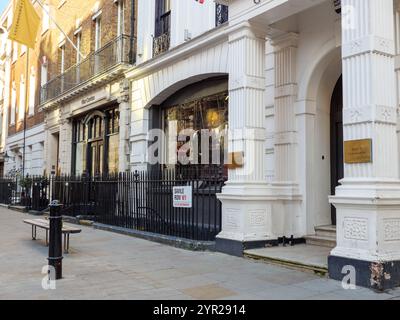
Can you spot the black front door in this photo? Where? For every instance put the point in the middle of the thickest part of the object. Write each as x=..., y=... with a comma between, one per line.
x=337, y=166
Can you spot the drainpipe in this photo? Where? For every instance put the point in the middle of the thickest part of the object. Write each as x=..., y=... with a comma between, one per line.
x=132, y=55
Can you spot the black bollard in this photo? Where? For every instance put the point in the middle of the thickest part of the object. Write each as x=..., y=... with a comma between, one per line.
x=55, y=242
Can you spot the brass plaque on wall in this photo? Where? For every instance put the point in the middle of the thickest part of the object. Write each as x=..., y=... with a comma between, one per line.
x=358, y=151
x=235, y=160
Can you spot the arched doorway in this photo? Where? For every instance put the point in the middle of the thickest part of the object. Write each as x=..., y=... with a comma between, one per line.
x=184, y=117
x=337, y=166
x=96, y=142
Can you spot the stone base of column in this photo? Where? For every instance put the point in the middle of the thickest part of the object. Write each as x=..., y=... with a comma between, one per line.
x=368, y=234
x=246, y=218
x=375, y=275
x=287, y=210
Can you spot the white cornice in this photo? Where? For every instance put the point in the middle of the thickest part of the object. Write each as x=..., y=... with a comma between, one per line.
x=207, y=39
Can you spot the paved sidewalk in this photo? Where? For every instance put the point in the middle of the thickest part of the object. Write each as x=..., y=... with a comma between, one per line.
x=105, y=265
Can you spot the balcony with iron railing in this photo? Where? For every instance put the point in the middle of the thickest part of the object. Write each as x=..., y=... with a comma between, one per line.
x=162, y=40
x=221, y=14
x=102, y=65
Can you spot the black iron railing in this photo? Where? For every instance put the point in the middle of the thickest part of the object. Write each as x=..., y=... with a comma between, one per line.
x=162, y=40
x=140, y=200
x=31, y=192
x=221, y=14
x=110, y=55
x=144, y=201
x=161, y=44
x=76, y=193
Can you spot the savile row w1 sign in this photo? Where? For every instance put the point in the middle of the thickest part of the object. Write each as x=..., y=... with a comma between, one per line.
x=182, y=197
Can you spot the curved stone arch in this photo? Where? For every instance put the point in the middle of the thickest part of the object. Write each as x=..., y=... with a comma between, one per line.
x=316, y=87
x=175, y=87
x=160, y=79
x=93, y=114
x=158, y=85
x=327, y=58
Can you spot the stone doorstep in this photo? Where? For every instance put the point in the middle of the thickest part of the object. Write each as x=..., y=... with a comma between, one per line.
x=325, y=236
x=301, y=257
x=321, y=241
x=18, y=208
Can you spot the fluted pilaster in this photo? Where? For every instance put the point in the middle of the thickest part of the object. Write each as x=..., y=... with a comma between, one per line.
x=368, y=201
x=246, y=201
x=285, y=111
x=247, y=103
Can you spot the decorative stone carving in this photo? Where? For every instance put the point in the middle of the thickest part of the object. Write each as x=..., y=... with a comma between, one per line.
x=257, y=218
x=231, y=217
x=391, y=229
x=355, y=229
x=123, y=92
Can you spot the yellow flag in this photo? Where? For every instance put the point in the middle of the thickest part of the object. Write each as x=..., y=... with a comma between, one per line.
x=25, y=24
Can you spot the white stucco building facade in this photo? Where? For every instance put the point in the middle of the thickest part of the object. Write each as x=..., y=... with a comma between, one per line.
x=308, y=90
x=305, y=84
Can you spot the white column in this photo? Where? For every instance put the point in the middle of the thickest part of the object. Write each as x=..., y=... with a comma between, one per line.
x=368, y=200
x=285, y=185
x=246, y=211
x=124, y=113
x=139, y=126
x=65, y=146
x=397, y=65
x=285, y=113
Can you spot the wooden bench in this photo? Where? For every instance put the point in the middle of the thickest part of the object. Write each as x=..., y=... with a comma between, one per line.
x=45, y=224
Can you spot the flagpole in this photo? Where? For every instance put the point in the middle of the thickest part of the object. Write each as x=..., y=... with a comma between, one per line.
x=59, y=28
x=26, y=106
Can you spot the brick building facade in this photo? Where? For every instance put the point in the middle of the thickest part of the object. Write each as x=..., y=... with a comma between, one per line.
x=86, y=90
x=55, y=68
x=24, y=119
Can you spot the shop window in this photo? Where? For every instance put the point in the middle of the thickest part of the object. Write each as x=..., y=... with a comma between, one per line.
x=207, y=114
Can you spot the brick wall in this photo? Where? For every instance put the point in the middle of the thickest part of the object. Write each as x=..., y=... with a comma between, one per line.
x=18, y=68
x=66, y=13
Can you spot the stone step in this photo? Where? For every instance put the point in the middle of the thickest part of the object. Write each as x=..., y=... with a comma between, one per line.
x=18, y=208
x=300, y=257
x=314, y=240
x=326, y=231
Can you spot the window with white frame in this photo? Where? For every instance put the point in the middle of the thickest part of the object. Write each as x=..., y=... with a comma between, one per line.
x=13, y=103
x=22, y=99
x=46, y=18
x=121, y=20
x=97, y=34
x=43, y=72
x=62, y=58
x=32, y=91
x=78, y=37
